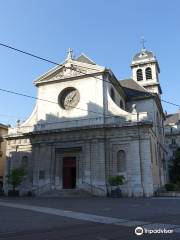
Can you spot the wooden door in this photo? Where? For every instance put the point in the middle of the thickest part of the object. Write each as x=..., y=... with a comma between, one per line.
x=69, y=172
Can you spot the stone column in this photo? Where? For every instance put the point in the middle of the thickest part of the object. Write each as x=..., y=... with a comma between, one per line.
x=147, y=177
x=135, y=181
x=35, y=164
x=98, y=167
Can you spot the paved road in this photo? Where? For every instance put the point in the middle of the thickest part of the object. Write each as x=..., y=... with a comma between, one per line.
x=102, y=218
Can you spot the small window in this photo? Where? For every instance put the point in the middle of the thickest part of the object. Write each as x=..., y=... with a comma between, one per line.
x=112, y=94
x=139, y=75
x=148, y=73
x=121, y=104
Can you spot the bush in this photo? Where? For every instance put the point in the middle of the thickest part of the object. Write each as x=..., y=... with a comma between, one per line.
x=16, y=177
x=171, y=187
x=116, y=180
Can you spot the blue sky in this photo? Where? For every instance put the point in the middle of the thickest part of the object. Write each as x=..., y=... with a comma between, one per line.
x=109, y=32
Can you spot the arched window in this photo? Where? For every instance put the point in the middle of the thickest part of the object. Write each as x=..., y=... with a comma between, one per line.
x=148, y=73
x=112, y=94
x=24, y=161
x=139, y=75
x=121, y=161
x=121, y=104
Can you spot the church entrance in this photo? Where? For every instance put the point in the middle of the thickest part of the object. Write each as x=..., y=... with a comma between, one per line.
x=69, y=172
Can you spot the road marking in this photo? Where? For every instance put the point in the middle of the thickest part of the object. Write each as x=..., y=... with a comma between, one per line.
x=166, y=198
x=161, y=225
x=132, y=223
x=92, y=217
x=65, y=213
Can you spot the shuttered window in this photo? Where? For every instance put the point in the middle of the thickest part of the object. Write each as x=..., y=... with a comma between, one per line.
x=148, y=73
x=139, y=75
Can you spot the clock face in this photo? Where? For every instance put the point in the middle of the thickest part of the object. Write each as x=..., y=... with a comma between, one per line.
x=69, y=98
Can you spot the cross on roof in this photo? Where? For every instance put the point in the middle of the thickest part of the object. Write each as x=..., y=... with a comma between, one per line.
x=70, y=54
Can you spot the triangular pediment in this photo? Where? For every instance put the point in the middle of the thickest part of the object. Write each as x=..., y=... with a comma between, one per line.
x=69, y=69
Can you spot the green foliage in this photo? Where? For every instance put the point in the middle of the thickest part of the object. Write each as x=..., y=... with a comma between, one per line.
x=116, y=180
x=171, y=187
x=174, y=168
x=16, y=176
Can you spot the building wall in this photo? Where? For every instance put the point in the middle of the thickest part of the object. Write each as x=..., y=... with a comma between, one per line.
x=172, y=140
x=3, y=131
x=158, y=151
x=172, y=135
x=90, y=99
x=95, y=101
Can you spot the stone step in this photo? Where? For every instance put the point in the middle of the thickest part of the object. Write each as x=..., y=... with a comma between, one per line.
x=67, y=193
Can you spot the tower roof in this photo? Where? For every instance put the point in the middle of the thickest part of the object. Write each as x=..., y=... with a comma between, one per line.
x=143, y=57
x=144, y=54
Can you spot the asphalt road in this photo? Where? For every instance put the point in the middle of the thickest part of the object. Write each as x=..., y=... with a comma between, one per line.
x=25, y=224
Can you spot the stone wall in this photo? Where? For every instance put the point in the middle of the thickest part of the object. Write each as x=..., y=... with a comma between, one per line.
x=95, y=150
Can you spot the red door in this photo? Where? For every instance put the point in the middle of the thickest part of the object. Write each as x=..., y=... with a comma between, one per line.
x=69, y=172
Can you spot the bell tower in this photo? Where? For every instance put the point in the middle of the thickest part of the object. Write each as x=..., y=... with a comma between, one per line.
x=145, y=70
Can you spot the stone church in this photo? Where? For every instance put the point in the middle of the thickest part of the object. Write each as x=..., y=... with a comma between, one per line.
x=87, y=125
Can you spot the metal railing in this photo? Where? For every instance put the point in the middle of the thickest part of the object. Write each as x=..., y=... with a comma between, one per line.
x=40, y=189
x=37, y=190
x=94, y=187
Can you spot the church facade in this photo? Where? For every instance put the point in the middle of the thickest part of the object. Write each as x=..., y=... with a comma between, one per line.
x=87, y=125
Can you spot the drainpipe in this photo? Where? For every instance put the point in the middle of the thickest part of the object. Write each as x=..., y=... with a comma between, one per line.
x=105, y=134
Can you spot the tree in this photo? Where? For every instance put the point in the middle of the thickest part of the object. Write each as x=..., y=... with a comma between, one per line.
x=115, y=182
x=16, y=176
x=174, y=170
